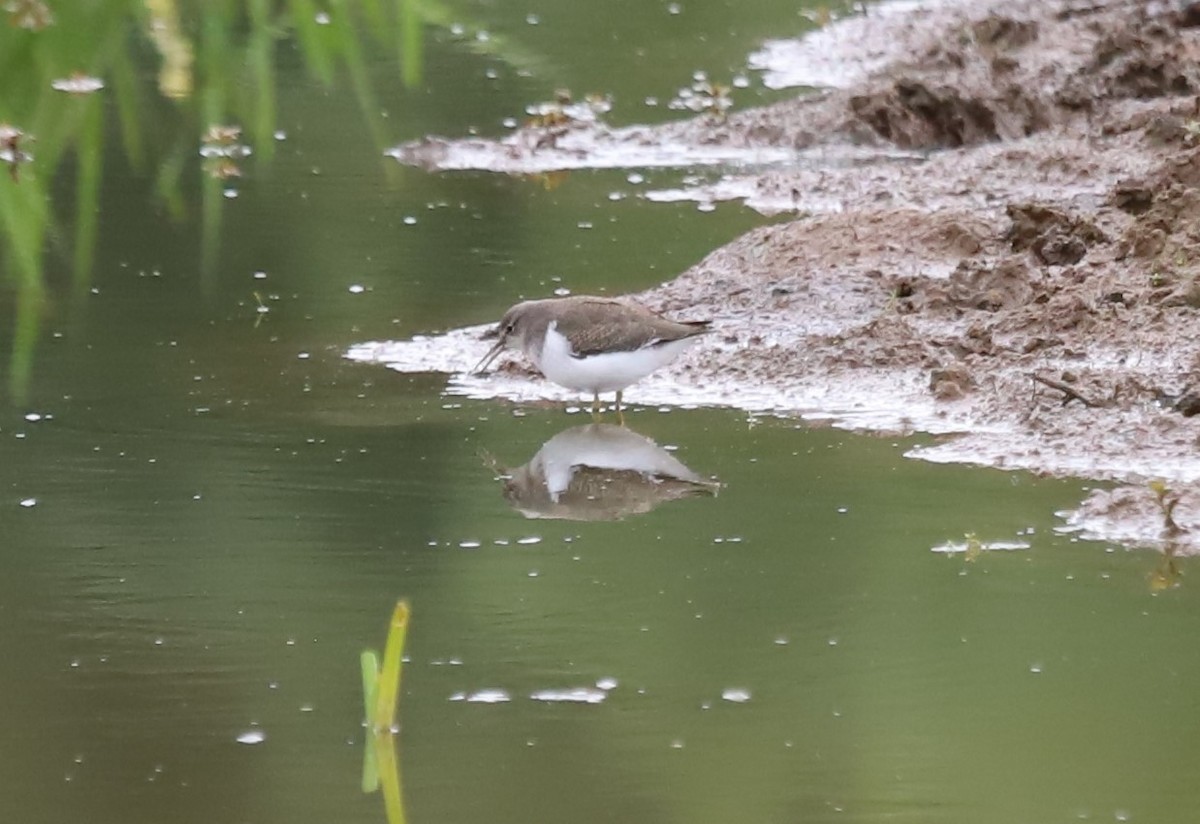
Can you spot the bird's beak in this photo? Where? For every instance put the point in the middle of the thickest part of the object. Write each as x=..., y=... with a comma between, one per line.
x=492, y=354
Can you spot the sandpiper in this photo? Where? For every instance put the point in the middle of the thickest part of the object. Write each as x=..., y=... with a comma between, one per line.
x=592, y=344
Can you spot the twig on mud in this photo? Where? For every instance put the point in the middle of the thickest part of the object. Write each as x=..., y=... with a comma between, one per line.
x=1070, y=393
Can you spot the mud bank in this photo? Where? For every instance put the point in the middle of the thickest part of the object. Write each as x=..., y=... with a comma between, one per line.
x=1021, y=271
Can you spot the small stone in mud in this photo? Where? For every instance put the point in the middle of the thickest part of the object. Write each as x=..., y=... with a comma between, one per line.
x=1003, y=64
x=1188, y=294
x=948, y=383
x=1001, y=33
x=1055, y=237
x=916, y=116
x=1166, y=128
x=1188, y=404
x=1133, y=197
x=1189, y=16
x=1034, y=344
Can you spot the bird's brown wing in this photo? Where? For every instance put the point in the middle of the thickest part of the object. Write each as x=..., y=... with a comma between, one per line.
x=607, y=325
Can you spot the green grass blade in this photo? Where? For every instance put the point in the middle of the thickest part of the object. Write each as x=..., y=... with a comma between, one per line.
x=388, y=694
x=389, y=775
x=370, y=768
x=369, y=660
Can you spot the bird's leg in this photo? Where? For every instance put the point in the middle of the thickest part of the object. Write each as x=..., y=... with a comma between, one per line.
x=595, y=406
x=620, y=413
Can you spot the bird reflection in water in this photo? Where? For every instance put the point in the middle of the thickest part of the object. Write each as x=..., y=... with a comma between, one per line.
x=599, y=472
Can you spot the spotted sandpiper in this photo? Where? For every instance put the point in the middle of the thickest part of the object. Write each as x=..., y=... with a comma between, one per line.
x=599, y=472
x=592, y=344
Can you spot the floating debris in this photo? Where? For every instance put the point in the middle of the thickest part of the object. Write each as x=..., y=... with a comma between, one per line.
x=703, y=96
x=580, y=695
x=29, y=502
x=10, y=149
x=78, y=83
x=491, y=695
x=222, y=168
x=254, y=736
x=556, y=117
x=33, y=15
x=951, y=547
x=737, y=695
x=221, y=148
x=223, y=141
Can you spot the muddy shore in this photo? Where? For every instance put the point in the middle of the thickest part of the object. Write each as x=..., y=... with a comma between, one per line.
x=1007, y=253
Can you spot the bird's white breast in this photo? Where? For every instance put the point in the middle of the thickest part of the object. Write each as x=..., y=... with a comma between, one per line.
x=606, y=372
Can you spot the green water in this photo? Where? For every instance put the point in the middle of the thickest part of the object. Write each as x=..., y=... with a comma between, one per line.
x=220, y=511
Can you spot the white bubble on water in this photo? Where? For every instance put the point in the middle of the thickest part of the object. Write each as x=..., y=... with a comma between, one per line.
x=738, y=695
x=254, y=736
x=580, y=695
x=607, y=683
x=488, y=695
x=29, y=502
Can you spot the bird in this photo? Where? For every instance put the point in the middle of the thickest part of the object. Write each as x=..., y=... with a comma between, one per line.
x=598, y=472
x=592, y=344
